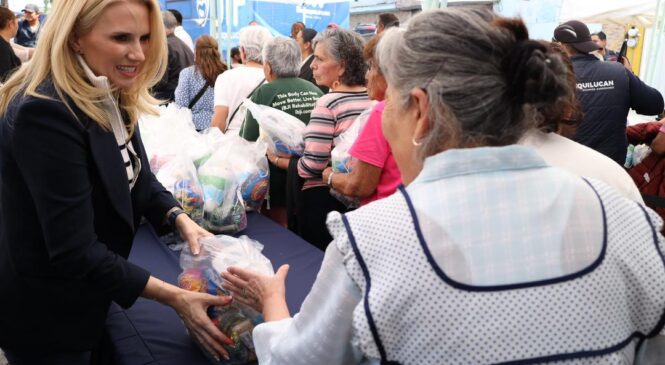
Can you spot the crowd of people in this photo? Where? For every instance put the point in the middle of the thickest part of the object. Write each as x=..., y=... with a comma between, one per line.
x=495, y=221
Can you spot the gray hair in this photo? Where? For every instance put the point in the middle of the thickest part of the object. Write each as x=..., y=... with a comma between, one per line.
x=283, y=54
x=252, y=40
x=473, y=100
x=346, y=48
x=169, y=20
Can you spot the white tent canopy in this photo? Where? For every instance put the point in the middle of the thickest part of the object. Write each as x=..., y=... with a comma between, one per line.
x=642, y=12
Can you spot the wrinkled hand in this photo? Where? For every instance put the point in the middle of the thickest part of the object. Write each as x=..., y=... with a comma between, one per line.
x=254, y=289
x=191, y=307
x=191, y=232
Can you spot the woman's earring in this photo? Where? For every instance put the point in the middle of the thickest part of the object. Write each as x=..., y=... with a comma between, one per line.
x=415, y=144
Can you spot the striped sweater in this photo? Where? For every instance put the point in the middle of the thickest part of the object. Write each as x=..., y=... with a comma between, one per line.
x=332, y=115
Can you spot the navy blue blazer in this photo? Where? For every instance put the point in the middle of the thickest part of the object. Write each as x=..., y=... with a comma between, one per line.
x=67, y=221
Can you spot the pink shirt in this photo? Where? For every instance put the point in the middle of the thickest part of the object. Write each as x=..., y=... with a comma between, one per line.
x=371, y=147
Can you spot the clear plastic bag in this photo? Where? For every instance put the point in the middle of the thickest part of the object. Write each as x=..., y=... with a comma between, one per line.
x=248, y=162
x=206, y=143
x=340, y=159
x=167, y=135
x=223, y=206
x=640, y=152
x=201, y=273
x=179, y=177
x=282, y=132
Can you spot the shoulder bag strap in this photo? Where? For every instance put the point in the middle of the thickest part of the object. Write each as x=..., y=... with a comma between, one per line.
x=239, y=105
x=198, y=95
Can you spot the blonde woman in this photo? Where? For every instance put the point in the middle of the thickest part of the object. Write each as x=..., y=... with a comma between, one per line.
x=76, y=182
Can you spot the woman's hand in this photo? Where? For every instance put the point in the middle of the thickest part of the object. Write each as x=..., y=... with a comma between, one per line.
x=280, y=161
x=191, y=232
x=325, y=174
x=264, y=293
x=192, y=307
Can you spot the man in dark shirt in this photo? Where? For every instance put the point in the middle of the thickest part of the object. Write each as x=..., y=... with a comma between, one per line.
x=600, y=39
x=606, y=92
x=8, y=28
x=179, y=57
x=29, y=28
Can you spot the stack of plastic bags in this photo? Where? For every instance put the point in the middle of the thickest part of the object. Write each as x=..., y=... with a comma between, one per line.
x=201, y=273
x=282, y=132
x=214, y=177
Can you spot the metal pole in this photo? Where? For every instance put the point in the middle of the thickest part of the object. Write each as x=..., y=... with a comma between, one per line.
x=655, y=38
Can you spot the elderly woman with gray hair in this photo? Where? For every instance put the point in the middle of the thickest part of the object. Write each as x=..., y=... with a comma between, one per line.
x=338, y=64
x=235, y=85
x=286, y=92
x=488, y=255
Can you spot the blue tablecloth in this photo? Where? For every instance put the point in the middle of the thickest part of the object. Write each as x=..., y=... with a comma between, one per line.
x=152, y=333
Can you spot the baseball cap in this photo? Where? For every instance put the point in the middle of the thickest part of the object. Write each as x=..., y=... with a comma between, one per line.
x=576, y=34
x=31, y=8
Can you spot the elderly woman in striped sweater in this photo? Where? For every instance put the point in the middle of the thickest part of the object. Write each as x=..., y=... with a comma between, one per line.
x=338, y=64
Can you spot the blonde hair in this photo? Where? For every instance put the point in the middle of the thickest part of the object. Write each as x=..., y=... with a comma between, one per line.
x=55, y=59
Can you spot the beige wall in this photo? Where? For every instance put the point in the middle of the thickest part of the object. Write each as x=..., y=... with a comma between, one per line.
x=615, y=35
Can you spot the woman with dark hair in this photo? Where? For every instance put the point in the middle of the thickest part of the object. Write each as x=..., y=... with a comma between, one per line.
x=488, y=255
x=236, y=61
x=196, y=83
x=305, y=40
x=296, y=28
x=338, y=64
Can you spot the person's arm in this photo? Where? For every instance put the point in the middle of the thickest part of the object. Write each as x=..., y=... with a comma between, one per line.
x=219, y=117
x=318, y=142
x=361, y=182
x=658, y=143
x=370, y=151
x=323, y=328
x=281, y=162
x=222, y=101
x=23, y=53
x=644, y=99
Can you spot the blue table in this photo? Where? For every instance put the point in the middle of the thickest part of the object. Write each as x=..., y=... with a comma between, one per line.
x=150, y=333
